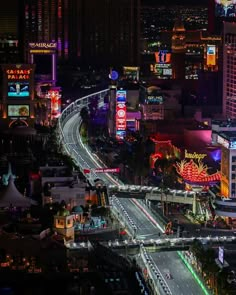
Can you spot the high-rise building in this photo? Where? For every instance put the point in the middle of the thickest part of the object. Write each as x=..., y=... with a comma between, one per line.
x=110, y=34
x=9, y=32
x=220, y=11
x=178, y=47
x=52, y=21
x=229, y=70
x=104, y=32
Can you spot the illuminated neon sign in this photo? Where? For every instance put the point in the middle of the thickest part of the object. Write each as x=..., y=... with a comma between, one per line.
x=194, y=155
x=18, y=74
x=120, y=114
x=46, y=45
x=211, y=55
x=163, y=57
x=55, y=103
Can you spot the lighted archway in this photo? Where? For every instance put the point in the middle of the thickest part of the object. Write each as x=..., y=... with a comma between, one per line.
x=18, y=122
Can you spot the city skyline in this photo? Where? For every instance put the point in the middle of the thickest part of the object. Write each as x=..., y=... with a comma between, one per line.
x=174, y=2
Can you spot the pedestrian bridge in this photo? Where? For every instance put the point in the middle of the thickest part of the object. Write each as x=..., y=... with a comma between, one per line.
x=154, y=245
x=153, y=193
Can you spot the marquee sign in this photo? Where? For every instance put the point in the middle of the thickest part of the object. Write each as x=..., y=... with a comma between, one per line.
x=43, y=45
x=18, y=74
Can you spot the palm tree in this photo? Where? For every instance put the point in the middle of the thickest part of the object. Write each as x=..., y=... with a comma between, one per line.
x=84, y=114
x=198, y=252
x=222, y=286
x=209, y=266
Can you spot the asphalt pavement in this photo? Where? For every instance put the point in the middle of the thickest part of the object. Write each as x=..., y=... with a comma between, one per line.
x=145, y=227
x=181, y=281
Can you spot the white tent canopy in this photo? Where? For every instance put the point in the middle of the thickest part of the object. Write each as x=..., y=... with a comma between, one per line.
x=10, y=196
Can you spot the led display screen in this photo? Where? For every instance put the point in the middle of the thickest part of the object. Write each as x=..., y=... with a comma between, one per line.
x=225, y=8
x=18, y=89
x=121, y=96
x=211, y=55
x=221, y=255
x=154, y=99
x=163, y=70
x=21, y=110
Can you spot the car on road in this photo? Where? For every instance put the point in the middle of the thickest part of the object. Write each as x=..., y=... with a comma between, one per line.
x=168, y=275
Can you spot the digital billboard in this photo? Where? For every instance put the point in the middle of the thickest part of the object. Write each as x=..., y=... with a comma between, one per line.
x=18, y=89
x=225, y=8
x=221, y=255
x=121, y=96
x=163, y=70
x=211, y=55
x=120, y=114
x=21, y=110
x=154, y=99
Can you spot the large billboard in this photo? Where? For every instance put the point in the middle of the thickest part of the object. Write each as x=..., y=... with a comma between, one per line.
x=18, y=90
x=211, y=55
x=21, y=110
x=225, y=8
x=120, y=114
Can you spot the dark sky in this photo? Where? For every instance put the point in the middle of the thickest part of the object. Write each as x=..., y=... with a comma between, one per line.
x=172, y=2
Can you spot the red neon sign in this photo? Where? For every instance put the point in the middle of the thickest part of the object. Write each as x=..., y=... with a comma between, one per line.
x=120, y=116
x=55, y=103
x=18, y=74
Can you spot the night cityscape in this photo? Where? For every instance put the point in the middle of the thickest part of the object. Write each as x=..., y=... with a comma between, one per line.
x=118, y=147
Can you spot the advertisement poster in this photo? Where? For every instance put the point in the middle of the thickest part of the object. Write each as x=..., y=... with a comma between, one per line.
x=21, y=110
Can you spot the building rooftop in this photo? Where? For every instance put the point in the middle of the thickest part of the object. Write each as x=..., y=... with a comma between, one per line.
x=229, y=135
x=224, y=123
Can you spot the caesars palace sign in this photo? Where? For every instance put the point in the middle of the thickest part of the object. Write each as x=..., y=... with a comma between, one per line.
x=194, y=155
x=18, y=74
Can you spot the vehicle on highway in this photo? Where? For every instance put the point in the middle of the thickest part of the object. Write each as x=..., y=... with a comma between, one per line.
x=168, y=275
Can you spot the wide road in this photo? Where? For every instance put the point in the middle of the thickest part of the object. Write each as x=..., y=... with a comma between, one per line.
x=182, y=282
